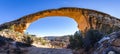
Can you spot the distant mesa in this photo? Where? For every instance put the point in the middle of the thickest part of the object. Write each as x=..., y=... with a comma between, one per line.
x=85, y=18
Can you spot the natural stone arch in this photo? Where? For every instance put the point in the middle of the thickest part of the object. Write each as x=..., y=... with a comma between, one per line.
x=85, y=18
x=52, y=24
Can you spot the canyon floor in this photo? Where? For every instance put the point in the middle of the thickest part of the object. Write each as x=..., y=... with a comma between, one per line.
x=34, y=50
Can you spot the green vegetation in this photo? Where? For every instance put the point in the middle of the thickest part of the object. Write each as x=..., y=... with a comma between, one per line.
x=12, y=27
x=27, y=39
x=40, y=40
x=91, y=37
x=75, y=41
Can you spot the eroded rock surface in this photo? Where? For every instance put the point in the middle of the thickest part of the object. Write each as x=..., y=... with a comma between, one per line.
x=86, y=19
x=109, y=45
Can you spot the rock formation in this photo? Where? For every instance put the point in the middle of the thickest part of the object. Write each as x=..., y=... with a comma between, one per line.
x=109, y=44
x=85, y=18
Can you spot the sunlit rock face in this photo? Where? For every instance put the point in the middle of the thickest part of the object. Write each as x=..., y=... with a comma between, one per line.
x=85, y=18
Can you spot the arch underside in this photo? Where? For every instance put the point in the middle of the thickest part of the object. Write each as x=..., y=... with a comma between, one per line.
x=85, y=18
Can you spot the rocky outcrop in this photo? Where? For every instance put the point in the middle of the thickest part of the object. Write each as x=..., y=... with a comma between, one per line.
x=109, y=44
x=12, y=47
x=86, y=19
x=12, y=42
x=17, y=36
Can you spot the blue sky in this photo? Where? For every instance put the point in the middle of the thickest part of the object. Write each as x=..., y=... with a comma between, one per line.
x=50, y=26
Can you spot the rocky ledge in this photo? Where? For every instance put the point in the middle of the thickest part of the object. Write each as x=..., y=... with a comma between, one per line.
x=109, y=44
